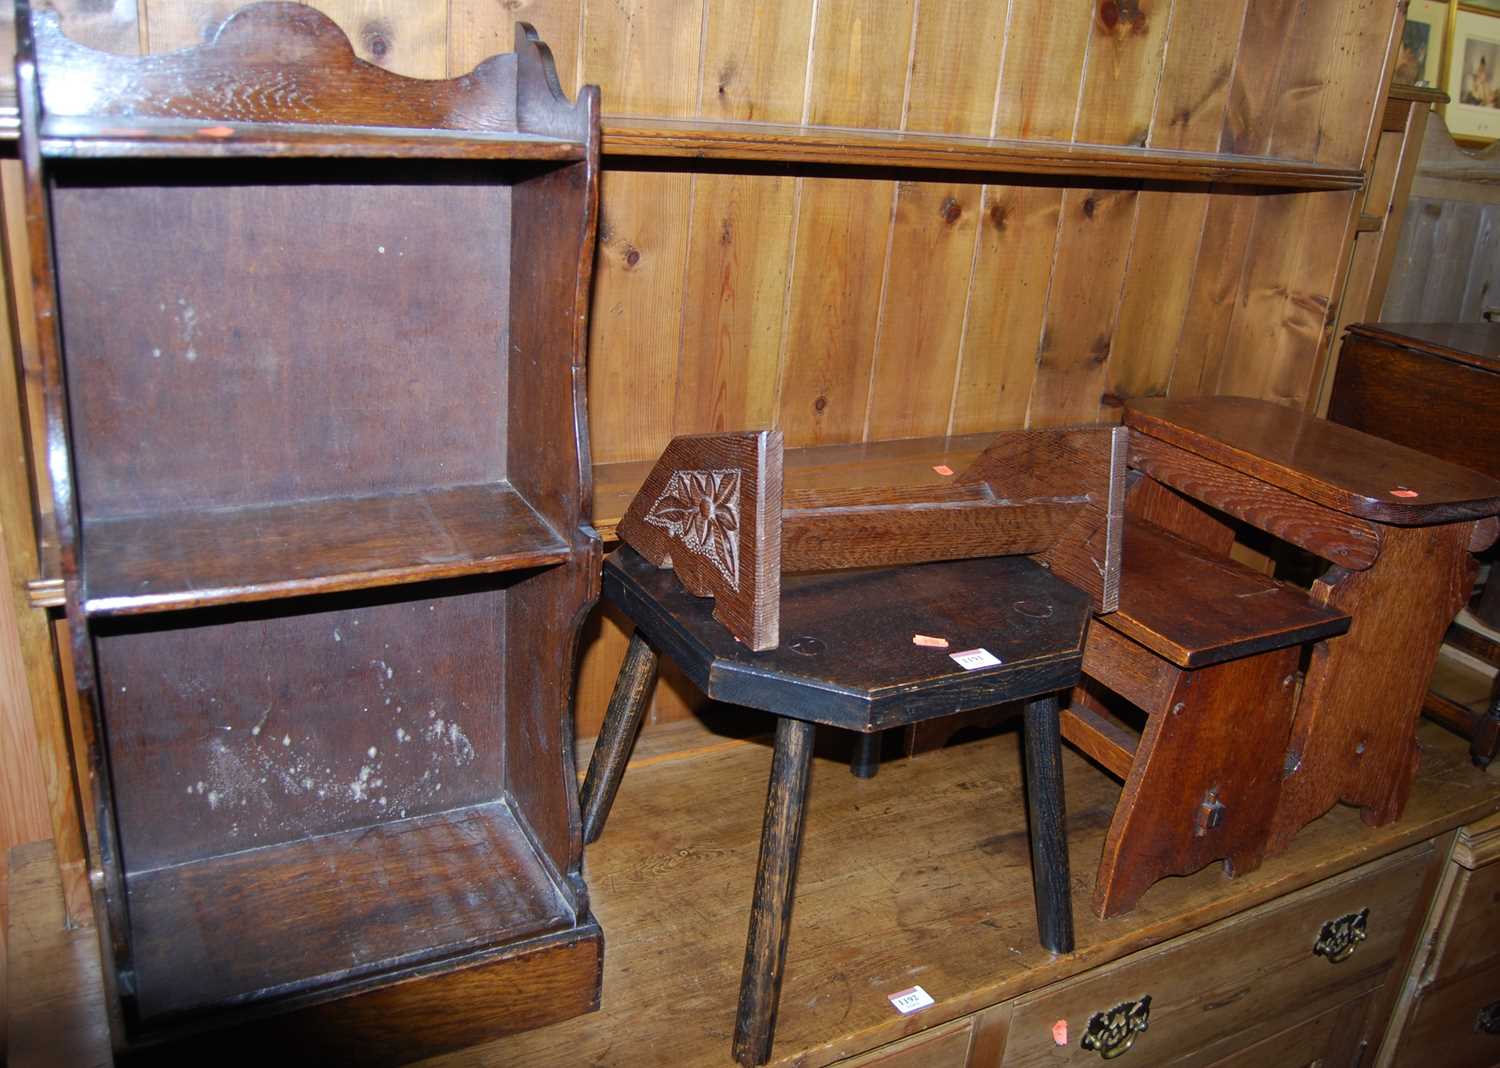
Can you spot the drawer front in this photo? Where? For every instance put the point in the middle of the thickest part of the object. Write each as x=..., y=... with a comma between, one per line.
x=1330, y=1039
x=943, y=1047
x=1247, y=977
x=1446, y=1029
x=1470, y=943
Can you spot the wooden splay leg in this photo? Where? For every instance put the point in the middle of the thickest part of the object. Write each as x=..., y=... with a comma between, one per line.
x=622, y=721
x=1354, y=739
x=1205, y=778
x=1049, y=832
x=866, y=759
x=775, y=880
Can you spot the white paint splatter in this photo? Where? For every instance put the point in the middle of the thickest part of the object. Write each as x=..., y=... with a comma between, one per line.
x=401, y=734
x=286, y=739
x=372, y=752
x=359, y=788
x=213, y=799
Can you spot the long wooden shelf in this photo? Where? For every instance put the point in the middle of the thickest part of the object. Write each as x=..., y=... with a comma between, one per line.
x=180, y=560
x=360, y=901
x=768, y=143
x=64, y=137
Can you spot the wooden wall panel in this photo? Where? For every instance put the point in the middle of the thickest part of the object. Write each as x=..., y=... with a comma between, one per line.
x=732, y=316
x=931, y=258
x=1007, y=303
x=1215, y=290
x=1093, y=248
x=755, y=61
x=636, y=323
x=644, y=55
x=1252, y=88
x=1123, y=72
x=1042, y=69
x=834, y=298
x=955, y=66
x=857, y=76
x=1158, y=288
x=1195, y=77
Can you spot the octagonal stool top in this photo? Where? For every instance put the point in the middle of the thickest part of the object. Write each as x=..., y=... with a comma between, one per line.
x=850, y=655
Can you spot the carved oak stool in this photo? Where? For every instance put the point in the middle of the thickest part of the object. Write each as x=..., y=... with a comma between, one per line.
x=847, y=660
x=1398, y=527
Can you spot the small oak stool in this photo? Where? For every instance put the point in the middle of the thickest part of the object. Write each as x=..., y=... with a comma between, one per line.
x=1398, y=527
x=1208, y=649
x=847, y=660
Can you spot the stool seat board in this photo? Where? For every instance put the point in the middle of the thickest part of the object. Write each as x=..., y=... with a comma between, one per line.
x=1347, y=470
x=847, y=657
x=1193, y=608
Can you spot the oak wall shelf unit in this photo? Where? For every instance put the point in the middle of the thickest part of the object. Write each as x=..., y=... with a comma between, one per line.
x=313, y=337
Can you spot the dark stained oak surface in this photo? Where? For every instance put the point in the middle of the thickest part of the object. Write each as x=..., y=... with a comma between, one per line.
x=191, y=559
x=1476, y=344
x=337, y=905
x=1343, y=469
x=1195, y=609
x=846, y=655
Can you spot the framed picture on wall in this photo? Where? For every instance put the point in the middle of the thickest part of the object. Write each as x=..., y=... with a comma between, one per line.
x=1473, y=86
x=1420, y=59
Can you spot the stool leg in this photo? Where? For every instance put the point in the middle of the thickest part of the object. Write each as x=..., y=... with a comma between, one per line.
x=622, y=721
x=1049, y=833
x=866, y=759
x=775, y=878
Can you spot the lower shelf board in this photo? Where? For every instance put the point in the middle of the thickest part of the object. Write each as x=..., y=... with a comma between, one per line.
x=286, y=918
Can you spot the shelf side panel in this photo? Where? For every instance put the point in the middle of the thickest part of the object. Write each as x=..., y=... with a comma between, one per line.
x=334, y=331
x=235, y=729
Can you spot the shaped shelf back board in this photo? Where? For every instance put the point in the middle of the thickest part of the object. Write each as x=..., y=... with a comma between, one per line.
x=313, y=339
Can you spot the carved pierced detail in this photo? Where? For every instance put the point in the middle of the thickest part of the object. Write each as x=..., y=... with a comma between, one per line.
x=702, y=510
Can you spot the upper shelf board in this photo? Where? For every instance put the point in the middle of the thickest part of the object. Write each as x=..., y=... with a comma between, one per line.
x=769, y=143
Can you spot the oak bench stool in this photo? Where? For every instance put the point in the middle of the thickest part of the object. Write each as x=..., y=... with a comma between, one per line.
x=1398, y=527
x=1209, y=650
x=847, y=660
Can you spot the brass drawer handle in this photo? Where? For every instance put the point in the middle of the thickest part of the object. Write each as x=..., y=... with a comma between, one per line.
x=1339, y=937
x=1489, y=1019
x=1112, y=1033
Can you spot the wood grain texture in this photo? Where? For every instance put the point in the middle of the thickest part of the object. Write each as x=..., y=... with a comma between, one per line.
x=409, y=39
x=1234, y=611
x=829, y=340
x=1047, y=821
x=1123, y=71
x=918, y=347
x=1351, y=543
x=1007, y=303
x=1216, y=742
x=478, y=29
x=775, y=891
x=1042, y=73
x=711, y=510
x=1250, y=116
x=857, y=75
x=1196, y=75
x=738, y=257
x=1164, y=257
x=1093, y=250
x=645, y=57
x=635, y=330
x=955, y=66
x=1353, y=738
x=1330, y=465
x=1227, y=226
x=755, y=61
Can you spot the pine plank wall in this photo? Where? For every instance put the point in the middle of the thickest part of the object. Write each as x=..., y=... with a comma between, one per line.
x=849, y=306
